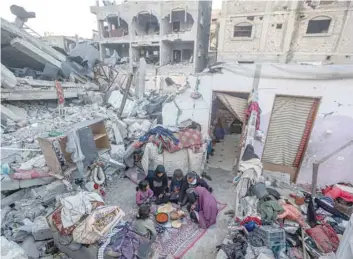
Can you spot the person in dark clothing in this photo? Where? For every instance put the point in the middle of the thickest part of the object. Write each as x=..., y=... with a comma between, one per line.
x=192, y=180
x=159, y=185
x=175, y=185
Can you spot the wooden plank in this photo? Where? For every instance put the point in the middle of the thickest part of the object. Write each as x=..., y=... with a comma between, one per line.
x=50, y=155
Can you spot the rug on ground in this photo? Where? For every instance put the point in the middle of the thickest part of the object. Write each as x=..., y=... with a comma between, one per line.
x=176, y=242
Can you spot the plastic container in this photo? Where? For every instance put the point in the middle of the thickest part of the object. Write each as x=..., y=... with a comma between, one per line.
x=272, y=236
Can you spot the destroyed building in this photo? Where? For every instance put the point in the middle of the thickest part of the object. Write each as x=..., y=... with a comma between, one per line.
x=164, y=32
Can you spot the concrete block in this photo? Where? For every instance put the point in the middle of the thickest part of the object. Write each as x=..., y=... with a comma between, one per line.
x=8, y=184
x=29, y=246
x=8, y=200
x=35, y=182
x=41, y=229
x=8, y=79
x=11, y=250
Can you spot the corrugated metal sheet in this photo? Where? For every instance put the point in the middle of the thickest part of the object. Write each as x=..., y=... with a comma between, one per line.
x=234, y=104
x=287, y=125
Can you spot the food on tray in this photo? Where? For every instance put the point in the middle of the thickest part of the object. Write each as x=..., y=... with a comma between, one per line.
x=176, y=224
x=174, y=215
x=166, y=208
x=162, y=218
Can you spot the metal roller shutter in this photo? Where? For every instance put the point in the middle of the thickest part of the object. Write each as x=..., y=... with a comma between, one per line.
x=287, y=126
x=235, y=105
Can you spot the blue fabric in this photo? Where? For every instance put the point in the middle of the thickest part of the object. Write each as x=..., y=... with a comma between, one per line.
x=150, y=175
x=219, y=133
x=160, y=131
x=175, y=184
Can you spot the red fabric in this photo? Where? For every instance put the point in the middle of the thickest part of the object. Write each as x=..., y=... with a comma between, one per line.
x=325, y=236
x=254, y=106
x=59, y=92
x=248, y=219
x=29, y=174
x=56, y=218
x=190, y=138
x=335, y=192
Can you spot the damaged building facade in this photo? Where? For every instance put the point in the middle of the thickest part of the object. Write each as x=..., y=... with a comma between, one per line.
x=286, y=31
x=163, y=32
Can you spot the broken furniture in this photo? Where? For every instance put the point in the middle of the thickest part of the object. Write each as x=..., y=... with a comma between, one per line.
x=93, y=139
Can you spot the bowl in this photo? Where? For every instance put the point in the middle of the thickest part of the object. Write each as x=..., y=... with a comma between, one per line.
x=162, y=218
x=174, y=215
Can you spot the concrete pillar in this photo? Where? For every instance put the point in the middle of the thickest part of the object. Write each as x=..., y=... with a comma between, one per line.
x=140, y=87
x=102, y=52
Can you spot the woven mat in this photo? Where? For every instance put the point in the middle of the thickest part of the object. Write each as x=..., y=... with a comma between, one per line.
x=174, y=243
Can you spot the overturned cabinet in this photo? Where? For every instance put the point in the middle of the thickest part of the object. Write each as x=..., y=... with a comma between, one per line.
x=92, y=138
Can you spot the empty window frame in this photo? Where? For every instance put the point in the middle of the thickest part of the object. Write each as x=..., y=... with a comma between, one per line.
x=318, y=25
x=243, y=30
x=176, y=26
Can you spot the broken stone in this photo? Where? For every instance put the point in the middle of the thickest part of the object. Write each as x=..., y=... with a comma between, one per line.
x=117, y=152
x=12, y=198
x=49, y=191
x=29, y=246
x=41, y=229
x=11, y=250
x=36, y=182
x=4, y=212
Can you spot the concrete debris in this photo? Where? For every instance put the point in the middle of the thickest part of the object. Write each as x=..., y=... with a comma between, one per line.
x=41, y=229
x=11, y=250
x=8, y=79
x=29, y=246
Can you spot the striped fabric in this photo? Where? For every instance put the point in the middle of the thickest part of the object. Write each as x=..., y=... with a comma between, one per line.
x=288, y=125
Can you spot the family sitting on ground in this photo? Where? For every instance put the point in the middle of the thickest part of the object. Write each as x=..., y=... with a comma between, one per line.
x=190, y=191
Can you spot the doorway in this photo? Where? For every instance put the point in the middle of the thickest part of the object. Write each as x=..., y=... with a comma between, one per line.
x=228, y=113
x=177, y=56
x=289, y=130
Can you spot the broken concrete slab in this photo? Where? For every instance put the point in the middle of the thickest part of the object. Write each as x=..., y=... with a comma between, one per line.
x=36, y=94
x=19, y=112
x=8, y=184
x=11, y=250
x=8, y=79
x=8, y=113
x=38, y=161
x=34, y=52
x=44, y=83
x=29, y=246
x=36, y=182
x=49, y=191
x=12, y=198
x=41, y=229
x=16, y=31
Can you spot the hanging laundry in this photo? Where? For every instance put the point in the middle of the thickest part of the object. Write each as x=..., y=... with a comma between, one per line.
x=254, y=106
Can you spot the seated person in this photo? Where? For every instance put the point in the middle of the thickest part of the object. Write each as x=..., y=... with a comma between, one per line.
x=145, y=227
x=159, y=185
x=202, y=206
x=192, y=180
x=175, y=185
x=144, y=194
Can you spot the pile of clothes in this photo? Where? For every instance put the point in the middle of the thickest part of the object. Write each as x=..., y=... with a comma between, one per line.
x=274, y=216
x=83, y=219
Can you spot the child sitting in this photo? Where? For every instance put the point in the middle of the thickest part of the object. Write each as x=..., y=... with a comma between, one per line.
x=144, y=194
x=145, y=227
x=143, y=224
x=175, y=185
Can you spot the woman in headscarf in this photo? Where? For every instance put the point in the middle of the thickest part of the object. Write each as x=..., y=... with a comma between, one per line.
x=191, y=181
x=202, y=206
x=159, y=185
